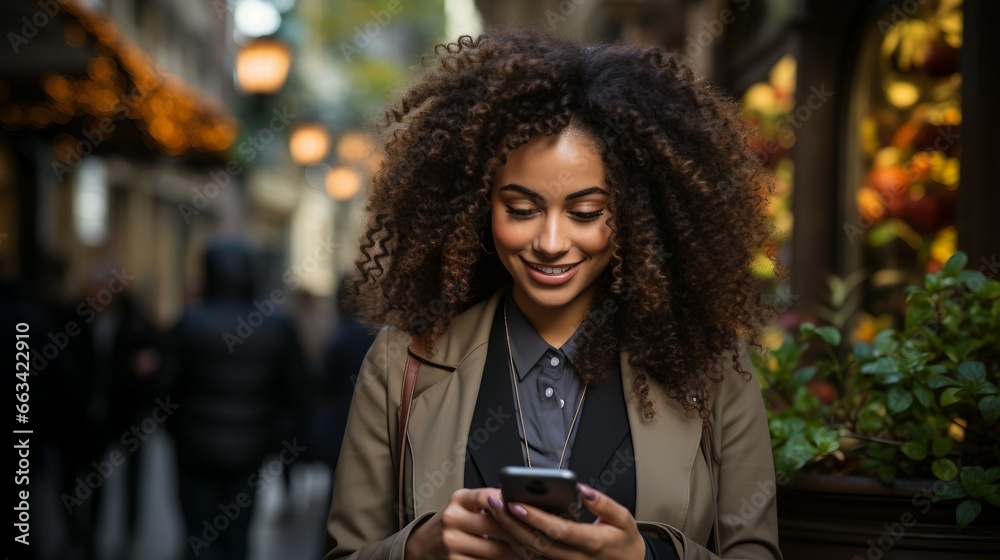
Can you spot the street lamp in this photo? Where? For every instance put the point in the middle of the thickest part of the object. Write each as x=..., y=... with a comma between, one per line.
x=262, y=66
x=309, y=143
x=343, y=182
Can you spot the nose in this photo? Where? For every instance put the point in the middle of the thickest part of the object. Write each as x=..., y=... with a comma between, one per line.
x=551, y=239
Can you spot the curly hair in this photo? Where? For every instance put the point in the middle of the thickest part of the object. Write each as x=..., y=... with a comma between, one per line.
x=687, y=217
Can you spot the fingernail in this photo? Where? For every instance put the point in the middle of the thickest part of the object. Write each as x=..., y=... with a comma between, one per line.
x=494, y=503
x=518, y=511
x=586, y=491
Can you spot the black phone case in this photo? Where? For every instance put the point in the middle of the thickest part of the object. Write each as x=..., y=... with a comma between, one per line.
x=550, y=490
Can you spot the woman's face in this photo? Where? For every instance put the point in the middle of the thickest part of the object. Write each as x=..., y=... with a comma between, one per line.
x=549, y=208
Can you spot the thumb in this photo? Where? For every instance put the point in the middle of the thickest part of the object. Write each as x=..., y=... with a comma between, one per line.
x=603, y=506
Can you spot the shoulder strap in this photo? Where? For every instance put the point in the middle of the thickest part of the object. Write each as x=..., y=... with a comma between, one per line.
x=712, y=459
x=409, y=382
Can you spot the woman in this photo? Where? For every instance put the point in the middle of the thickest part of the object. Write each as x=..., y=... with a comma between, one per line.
x=563, y=237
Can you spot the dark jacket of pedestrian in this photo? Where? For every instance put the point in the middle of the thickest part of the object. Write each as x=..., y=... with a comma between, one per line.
x=235, y=368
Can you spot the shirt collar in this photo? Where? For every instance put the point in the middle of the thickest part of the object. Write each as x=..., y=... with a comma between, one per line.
x=528, y=345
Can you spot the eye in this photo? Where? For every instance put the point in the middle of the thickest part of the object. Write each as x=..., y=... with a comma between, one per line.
x=520, y=213
x=587, y=216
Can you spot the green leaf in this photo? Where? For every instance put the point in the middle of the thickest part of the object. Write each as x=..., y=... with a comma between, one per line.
x=987, y=388
x=938, y=369
x=919, y=312
x=993, y=474
x=803, y=375
x=951, y=490
x=972, y=371
x=973, y=477
x=884, y=342
x=924, y=395
x=960, y=350
x=938, y=381
x=990, y=407
x=881, y=366
x=974, y=279
x=950, y=396
x=967, y=512
x=796, y=452
x=983, y=490
x=863, y=351
x=830, y=335
x=991, y=290
x=932, y=281
x=994, y=499
x=956, y=263
x=914, y=450
x=899, y=399
x=824, y=439
x=942, y=446
x=889, y=378
x=869, y=421
x=944, y=469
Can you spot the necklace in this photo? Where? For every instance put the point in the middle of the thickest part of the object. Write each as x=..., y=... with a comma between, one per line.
x=517, y=396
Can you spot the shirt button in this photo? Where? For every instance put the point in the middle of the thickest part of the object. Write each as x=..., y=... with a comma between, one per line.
x=562, y=403
x=554, y=361
x=548, y=392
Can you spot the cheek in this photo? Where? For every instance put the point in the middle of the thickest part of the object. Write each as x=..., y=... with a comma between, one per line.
x=507, y=235
x=596, y=242
x=507, y=238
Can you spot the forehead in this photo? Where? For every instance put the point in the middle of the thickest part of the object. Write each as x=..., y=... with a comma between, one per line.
x=554, y=165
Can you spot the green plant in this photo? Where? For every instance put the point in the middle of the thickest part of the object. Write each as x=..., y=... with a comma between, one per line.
x=918, y=402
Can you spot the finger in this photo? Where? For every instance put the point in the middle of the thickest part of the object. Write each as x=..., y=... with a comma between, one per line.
x=459, y=543
x=535, y=533
x=567, y=536
x=604, y=507
x=473, y=521
x=472, y=500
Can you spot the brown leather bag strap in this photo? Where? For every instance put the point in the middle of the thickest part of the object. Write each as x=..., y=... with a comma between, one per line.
x=713, y=459
x=409, y=382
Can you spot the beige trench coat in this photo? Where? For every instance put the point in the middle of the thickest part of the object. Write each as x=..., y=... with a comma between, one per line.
x=674, y=483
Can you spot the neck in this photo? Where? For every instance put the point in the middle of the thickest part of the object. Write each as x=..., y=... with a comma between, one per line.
x=554, y=324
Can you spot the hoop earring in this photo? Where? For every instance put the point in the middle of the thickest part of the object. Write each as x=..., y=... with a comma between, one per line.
x=482, y=243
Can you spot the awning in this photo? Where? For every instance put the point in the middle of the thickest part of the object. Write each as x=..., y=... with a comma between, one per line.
x=69, y=72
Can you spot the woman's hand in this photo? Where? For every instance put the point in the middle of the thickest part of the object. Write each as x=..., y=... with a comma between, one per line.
x=613, y=536
x=463, y=529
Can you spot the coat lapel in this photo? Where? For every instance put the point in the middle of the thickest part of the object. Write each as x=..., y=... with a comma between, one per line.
x=444, y=403
x=494, y=442
x=602, y=450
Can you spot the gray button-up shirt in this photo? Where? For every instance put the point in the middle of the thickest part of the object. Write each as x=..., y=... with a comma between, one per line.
x=549, y=389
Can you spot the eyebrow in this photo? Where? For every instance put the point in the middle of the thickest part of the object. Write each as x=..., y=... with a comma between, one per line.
x=528, y=192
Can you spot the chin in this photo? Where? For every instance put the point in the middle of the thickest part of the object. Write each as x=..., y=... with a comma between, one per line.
x=553, y=298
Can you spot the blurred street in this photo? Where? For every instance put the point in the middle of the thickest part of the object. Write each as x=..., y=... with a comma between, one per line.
x=290, y=523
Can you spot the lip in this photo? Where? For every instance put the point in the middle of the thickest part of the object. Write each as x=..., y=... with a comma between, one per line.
x=552, y=279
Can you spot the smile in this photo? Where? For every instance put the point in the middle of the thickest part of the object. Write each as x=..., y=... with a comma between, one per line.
x=552, y=269
x=552, y=275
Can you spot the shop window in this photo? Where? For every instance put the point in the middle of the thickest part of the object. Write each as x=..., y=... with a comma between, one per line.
x=903, y=155
x=769, y=106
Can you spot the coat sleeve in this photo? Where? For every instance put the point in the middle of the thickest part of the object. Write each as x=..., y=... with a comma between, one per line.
x=747, y=509
x=362, y=524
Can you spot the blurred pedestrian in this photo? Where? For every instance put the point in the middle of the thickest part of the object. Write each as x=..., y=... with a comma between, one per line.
x=343, y=354
x=108, y=350
x=233, y=367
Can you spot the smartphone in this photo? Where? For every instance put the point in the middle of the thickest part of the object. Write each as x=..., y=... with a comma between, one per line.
x=550, y=490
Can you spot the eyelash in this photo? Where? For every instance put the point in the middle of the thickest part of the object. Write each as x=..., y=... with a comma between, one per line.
x=523, y=214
